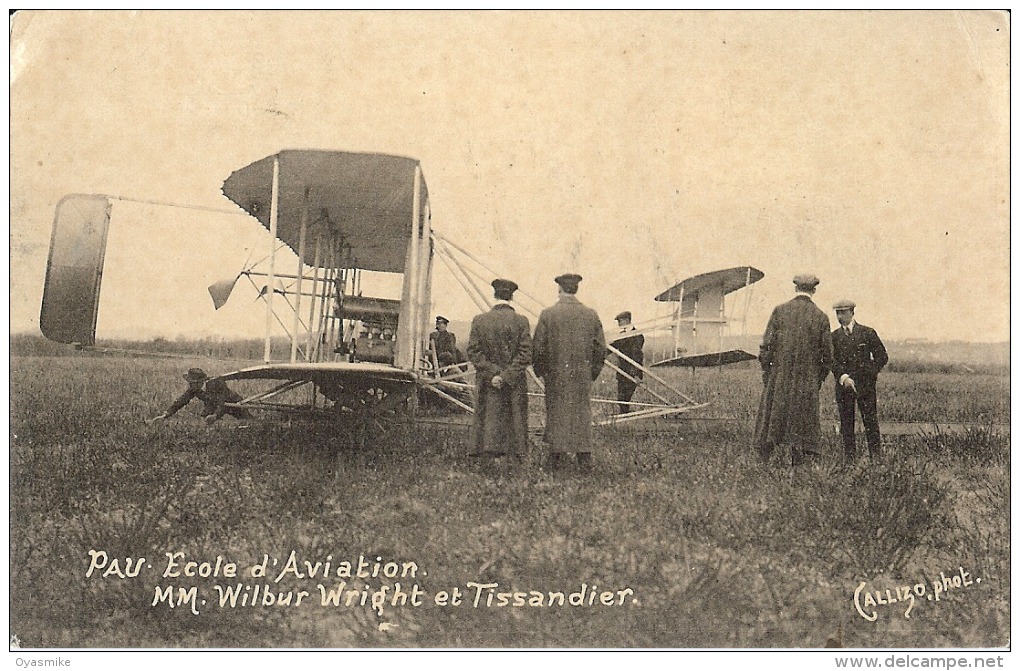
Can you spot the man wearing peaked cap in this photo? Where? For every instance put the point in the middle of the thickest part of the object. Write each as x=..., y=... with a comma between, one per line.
x=214, y=394
x=504, y=289
x=500, y=349
x=569, y=282
x=195, y=375
x=444, y=343
x=857, y=357
x=569, y=352
x=795, y=357
x=632, y=346
x=806, y=282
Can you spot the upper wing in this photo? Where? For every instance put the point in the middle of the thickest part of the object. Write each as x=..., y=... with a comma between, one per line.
x=368, y=199
x=728, y=280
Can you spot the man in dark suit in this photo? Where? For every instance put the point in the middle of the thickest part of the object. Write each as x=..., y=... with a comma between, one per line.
x=632, y=346
x=858, y=356
x=500, y=349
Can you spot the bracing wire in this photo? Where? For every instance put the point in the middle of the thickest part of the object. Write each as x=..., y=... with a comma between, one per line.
x=184, y=206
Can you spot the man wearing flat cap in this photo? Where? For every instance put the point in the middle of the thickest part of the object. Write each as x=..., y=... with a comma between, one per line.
x=631, y=345
x=795, y=357
x=444, y=344
x=569, y=352
x=214, y=394
x=500, y=349
x=857, y=357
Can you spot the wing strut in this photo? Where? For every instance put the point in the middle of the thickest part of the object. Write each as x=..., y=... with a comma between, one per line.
x=267, y=353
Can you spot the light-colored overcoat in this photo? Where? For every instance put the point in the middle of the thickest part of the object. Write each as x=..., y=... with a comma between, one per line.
x=500, y=344
x=569, y=353
x=796, y=356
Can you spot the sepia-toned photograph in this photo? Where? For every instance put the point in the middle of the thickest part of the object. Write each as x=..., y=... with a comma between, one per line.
x=681, y=331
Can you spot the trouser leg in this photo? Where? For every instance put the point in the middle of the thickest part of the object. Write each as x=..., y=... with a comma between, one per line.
x=845, y=403
x=556, y=461
x=584, y=461
x=624, y=392
x=867, y=402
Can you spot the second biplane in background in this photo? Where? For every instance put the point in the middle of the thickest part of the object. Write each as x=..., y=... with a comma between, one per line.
x=694, y=333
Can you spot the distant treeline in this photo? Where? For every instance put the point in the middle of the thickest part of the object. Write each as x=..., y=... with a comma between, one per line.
x=250, y=349
x=901, y=365
x=925, y=356
x=904, y=356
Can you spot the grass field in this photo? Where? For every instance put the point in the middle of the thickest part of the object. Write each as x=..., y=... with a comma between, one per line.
x=694, y=542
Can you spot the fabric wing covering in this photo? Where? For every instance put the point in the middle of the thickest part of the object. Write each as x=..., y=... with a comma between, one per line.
x=721, y=282
x=366, y=198
x=709, y=360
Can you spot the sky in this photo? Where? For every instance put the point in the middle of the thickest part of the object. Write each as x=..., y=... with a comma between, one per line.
x=870, y=148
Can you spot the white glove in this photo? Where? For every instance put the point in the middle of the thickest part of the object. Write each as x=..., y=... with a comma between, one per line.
x=497, y=382
x=848, y=383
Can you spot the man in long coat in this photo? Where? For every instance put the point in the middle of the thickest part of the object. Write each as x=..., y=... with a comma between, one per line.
x=569, y=352
x=858, y=356
x=500, y=349
x=796, y=357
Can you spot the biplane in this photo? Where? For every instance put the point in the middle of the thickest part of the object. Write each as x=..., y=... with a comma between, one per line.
x=354, y=221
x=696, y=327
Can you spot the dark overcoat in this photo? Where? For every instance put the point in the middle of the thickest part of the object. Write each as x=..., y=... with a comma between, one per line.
x=500, y=344
x=569, y=353
x=796, y=356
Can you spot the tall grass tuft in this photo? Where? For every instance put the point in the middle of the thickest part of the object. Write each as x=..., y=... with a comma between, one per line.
x=981, y=445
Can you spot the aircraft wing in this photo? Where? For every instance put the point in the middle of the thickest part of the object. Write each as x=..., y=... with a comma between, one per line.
x=326, y=373
x=707, y=360
x=366, y=198
x=730, y=280
x=352, y=385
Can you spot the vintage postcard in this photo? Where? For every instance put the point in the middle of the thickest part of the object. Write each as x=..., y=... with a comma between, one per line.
x=683, y=331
